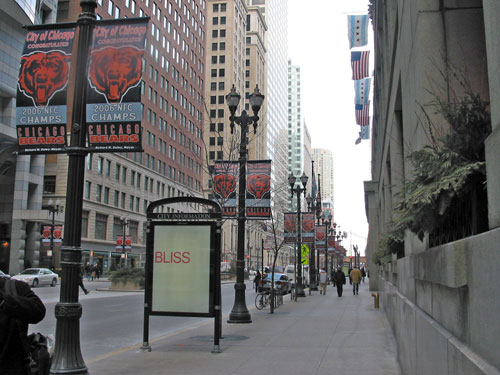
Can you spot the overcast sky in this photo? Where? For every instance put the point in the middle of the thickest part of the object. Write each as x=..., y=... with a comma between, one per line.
x=318, y=43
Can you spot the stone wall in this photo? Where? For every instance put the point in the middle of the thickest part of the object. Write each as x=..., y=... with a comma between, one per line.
x=443, y=306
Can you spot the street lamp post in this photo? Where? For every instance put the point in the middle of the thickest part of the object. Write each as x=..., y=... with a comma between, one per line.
x=53, y=209
x=123, y=259
x=327, y=221
x=239, y=313
x=67, y=358
x=313, y=204
x=299, y=288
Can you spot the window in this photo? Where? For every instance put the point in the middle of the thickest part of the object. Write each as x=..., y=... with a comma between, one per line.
x=215, y=7
x=110, y=7
x=215, y=33
x=133, y=230
x=215, y=20
x=214, y=46
x=86, y=190
x=213, y=86
x=106, y=195
x=212, y=127
x=222, y=59
x=117, y=172
x=122, y=205
x=213, y=99
x=221, y=86
x=213, y=73
x=220, y=127
x=100, y=162
x=88, y=160
x=222, y=21
x=222, y=72
x=212, y=141
x=214, y=59
x=222, y=46
x=49, y=184
x=223, y=7
x=98, y=193
x=116, y=198
x=223, y=33
x=124, y=175
x=117, y=228
x=107, y=168
x=85, y=224
x=101, y=226
x=220, y=113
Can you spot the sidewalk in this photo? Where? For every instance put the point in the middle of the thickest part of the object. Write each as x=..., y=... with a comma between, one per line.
x=317, y=335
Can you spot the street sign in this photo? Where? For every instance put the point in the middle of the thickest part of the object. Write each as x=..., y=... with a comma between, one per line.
x=304, y=252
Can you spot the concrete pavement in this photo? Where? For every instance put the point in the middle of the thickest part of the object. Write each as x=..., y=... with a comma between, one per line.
x=317, y=335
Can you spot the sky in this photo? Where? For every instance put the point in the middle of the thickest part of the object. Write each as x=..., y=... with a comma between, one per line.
x=318, y=43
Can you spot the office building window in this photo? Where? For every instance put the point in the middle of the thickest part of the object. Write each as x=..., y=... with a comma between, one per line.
x=101, y=226
x=86, y=190
x=49, y=184
x=85, y=224
x=106, y=195
x=98, y=193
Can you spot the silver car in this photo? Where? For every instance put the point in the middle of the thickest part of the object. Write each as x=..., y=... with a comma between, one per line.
x=37, y=276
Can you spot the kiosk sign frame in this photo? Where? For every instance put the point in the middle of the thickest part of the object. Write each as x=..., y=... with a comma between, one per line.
x=183, y=252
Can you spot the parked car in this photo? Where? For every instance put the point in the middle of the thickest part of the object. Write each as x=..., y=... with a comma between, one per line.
x=37, y=276
x=281, y=281
x=290, y=271
x=2, y=274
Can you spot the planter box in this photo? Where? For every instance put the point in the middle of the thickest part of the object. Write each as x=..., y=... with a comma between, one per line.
x=125, y=285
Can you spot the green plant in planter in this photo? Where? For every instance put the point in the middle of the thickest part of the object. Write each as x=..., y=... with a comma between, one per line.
x=128, y=275
x=391, y=242
x=450, y=170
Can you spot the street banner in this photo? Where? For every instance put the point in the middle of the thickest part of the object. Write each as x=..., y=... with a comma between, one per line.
x=331, y=245
x=119, y=243
x=224, y=186
x=360, y=63
x=41, y=90
x=258, y=189
x=46, y=235
x=307, y=221
x=320, y=234
x=114, y=111
x=58, y=231
x=362, y=91
x=290, y=227
x=357, y=26
x=181, y=269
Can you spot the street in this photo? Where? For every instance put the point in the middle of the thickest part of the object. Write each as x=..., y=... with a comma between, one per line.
x=114, y=320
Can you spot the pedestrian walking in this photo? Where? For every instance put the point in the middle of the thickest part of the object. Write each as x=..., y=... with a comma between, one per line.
x=322, y=281
x=80, y=282
x=339, y=278
x=355, y=276
x=98, y=271
x=363, y=273
x=256, y=280
x=17, y=310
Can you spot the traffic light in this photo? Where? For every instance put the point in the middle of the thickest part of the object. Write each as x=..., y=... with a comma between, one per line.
x=5, y=244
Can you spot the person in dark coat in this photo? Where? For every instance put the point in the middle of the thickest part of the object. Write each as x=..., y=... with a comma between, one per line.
x=16, y=312
x=339, y=278
x=256, y=280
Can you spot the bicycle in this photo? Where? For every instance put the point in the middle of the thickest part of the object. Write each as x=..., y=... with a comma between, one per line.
x=262, y=300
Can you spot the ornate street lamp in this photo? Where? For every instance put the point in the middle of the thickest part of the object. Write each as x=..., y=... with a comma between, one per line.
x=299, y=288
x=239, y=313
x=327, y=221
x=123, y=258
x=315, y=206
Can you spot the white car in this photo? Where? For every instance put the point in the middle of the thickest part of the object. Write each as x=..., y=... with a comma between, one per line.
x=37, y=276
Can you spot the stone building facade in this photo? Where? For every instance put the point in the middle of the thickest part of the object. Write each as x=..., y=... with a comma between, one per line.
x=441, y=301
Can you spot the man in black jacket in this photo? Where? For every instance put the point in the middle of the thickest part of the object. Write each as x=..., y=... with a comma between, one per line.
x=339, y=278
x=16, y=312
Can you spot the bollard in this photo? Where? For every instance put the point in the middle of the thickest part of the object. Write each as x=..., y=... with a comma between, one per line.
x=376, y=295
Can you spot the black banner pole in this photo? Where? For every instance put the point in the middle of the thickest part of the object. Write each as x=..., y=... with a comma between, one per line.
x=67, y=357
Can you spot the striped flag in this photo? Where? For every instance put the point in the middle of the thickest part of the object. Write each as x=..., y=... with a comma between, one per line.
x=365, y=132
x=362, y=91
x=360, y=61
x=362, y=114
x=358, y=30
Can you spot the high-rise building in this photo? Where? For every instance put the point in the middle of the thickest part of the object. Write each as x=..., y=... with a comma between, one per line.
x=119, y=186
x=21, y=215
x=323, y=165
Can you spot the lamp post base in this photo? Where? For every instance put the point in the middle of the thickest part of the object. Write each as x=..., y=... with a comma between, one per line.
x=239, y=317
x=300, y=291
x=239, y=313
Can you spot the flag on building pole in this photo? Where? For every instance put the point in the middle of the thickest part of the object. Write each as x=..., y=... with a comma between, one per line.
x=362, y=91
x=365, y=132
x=362, y=114
x=360, y=63
x=358, y=30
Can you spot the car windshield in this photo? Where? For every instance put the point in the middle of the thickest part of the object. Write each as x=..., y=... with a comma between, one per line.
x=30, y=272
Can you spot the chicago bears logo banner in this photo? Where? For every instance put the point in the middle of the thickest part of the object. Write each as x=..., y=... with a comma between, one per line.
x=41, y=90
x=258, y=192
x=290, y=227
x=225, y=181
x=307, y=227
x=320, y=236
x=114, y=110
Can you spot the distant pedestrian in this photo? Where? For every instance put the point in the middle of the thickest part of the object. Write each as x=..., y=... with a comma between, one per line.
x=80, y=282
x=256, y=280
x=19, y=306
x=322, y=281
x=87, y=270
x=93, y=271
x=98, y=271
x=339, y=278
x=363, y=273
x=355, y=276
x=349, y=274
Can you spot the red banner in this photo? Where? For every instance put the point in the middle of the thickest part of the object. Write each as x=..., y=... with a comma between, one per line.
x=114, y=111
x=307, y=222
x=224, y=186
x=258, y=189
x=320, y=234
x=290, y=226
x=41, y=90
